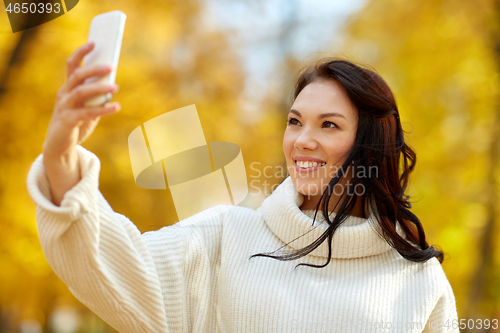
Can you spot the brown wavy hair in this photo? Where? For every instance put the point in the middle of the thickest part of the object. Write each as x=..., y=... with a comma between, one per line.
x=379, y=142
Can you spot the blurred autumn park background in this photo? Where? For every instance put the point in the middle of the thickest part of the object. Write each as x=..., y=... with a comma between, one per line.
x=237, y=62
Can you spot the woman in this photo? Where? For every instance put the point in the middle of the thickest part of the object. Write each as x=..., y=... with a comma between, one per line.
x=217, y=270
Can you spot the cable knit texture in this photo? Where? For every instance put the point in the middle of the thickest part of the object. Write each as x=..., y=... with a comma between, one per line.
x=196, y=275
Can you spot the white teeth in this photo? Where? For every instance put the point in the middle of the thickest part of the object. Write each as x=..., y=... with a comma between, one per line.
x=309, y=164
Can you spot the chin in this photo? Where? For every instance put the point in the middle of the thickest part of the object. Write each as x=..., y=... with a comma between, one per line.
x=309, y=187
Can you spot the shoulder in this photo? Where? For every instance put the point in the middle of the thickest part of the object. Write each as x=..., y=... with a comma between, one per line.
x=428, y=276
x=439, y=293
x=438, y=280
x=434, y=272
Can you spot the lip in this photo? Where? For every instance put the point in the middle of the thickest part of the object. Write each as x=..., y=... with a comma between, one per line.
x=308, y=158
x=312, y=169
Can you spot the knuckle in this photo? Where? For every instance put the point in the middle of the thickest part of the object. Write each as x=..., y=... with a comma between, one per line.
x=78, y=71
x=64, y=99
x=74, y=75
x=60, y=106
x=78, y=92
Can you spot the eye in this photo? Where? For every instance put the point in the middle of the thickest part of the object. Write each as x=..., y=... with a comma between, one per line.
x=293, y=121
x=329, y=124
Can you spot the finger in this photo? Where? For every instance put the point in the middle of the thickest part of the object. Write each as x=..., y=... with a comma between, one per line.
x=74, y=60
x=98, y=111
x=83, y=92
x=73, y=117
x=80, y=74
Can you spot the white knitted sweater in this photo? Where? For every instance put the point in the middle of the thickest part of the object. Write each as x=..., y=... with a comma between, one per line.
x=196, y=276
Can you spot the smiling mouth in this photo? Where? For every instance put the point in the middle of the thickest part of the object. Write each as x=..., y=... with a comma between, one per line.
x=308, y=164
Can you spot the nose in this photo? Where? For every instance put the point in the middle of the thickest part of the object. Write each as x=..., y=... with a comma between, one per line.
x=306, y=140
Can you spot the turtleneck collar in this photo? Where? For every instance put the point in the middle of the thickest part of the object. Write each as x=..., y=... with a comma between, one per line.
x=356, y=237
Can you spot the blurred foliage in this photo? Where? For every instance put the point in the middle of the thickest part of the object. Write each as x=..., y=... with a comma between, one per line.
x=438, y=57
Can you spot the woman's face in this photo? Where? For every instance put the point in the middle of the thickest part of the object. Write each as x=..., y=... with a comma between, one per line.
x=321, y=129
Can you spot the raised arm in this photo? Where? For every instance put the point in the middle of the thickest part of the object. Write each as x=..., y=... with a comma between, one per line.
x=72, y=122
x=98, y=253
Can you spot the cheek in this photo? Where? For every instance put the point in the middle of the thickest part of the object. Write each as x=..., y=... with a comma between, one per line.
x=287, y=144
x=340, y=147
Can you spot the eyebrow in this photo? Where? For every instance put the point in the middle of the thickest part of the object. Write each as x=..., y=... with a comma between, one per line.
x=321, y=116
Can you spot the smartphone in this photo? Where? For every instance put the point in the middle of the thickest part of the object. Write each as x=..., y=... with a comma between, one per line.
x=106, y=31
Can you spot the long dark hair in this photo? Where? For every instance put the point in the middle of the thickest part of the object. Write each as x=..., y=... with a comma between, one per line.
x=379, y=142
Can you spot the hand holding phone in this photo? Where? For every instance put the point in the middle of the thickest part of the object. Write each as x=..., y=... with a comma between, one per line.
x=106, y=31
x=71, y=123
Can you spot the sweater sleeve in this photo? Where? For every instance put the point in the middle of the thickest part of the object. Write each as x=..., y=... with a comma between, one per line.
x=187, y=256
x=99, y=254
x=444, y=317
